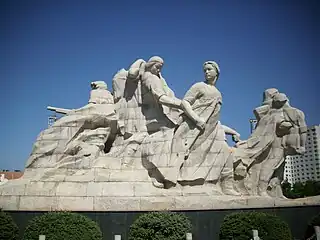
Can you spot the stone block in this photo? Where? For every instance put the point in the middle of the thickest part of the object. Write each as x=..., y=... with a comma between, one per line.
x=129, y=176
x=229, y=202
x=72, y=189
x=102, y=174
x=75, y=203
x=41, y=189
x=13, y=188
x=107, y=162
x=157, y=203
x=38, y=203
x=146, y=189
x=194, y=202
x=54, y=174
x=116, y=204
x=110, y=189
x=9, y=202
x=80, y=175
x=201, y=190
x=33, y=173
x=259, y=202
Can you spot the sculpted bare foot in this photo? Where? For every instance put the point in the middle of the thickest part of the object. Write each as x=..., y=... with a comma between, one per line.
x=231, y=192
x=157, y=184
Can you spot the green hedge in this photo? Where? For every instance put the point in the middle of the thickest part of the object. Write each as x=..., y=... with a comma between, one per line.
x=160, y=226
x=315, y=221
x=62, y=225
x=240, y=225
x=8, y=228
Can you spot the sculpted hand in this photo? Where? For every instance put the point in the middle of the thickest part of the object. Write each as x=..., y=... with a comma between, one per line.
x=236, y=137
x=201, y=123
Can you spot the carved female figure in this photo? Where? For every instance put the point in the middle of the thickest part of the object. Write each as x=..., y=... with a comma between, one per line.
x=199, y=152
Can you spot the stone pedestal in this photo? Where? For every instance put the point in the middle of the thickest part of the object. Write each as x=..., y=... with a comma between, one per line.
x=101, y=190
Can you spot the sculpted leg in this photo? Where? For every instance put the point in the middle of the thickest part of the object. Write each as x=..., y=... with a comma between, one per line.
x=227, y=179
x=251, y=181
x=268, y=169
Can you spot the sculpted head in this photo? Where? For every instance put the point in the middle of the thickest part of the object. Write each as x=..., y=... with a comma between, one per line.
x=279, y=100
x=268, y=95
x=154, y=65
x=211, y=71
x=100, y=94
x=98, y=85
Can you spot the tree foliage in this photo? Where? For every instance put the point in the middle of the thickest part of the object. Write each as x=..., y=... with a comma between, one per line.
x=300, y=190
x=160, y=226
x=315, y=221
x=62, y=225
x=8, y=228
x=240, y=225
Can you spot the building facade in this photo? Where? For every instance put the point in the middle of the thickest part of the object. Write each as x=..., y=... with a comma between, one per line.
x=301, y=168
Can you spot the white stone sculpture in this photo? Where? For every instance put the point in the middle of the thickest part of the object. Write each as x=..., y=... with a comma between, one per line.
x=3, y=179
x=141, y=148
x=198, y=153
x=80, y=136
x=280, y=131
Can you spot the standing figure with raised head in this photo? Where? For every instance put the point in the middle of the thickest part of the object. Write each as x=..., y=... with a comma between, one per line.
x=159, y=103
x=161, y=110
x=199, y=152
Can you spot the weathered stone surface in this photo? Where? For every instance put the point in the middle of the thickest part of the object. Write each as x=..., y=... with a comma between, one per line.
x=15, y=188
x=146, y=189
x=75, y=203
x=72, y=189
x=38, y=203
x=9, y=202
x=281, y=130
x=143, y=149
x=78, y=138
x=116, y=204
x=41, y=189
x=157, y=203
x=151, y=203
x=110, y=189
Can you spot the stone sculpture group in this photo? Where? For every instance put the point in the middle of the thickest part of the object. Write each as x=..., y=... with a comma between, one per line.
x=142, y=148
x=177, y=141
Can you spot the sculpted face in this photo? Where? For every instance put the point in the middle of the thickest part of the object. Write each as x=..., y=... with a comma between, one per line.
x=279, y=100
x=210, y=73
x=156, y=68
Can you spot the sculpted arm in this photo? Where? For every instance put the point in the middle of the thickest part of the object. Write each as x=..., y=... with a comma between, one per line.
x=259, y=112
x=186, y=107
x=170, y=101
x=156, y=87
x=189, y=99
x=230, y=131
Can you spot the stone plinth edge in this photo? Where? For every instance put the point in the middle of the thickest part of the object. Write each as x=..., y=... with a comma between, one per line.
x=159, y=203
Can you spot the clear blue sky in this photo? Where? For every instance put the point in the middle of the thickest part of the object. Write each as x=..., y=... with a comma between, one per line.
x=52, y=50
